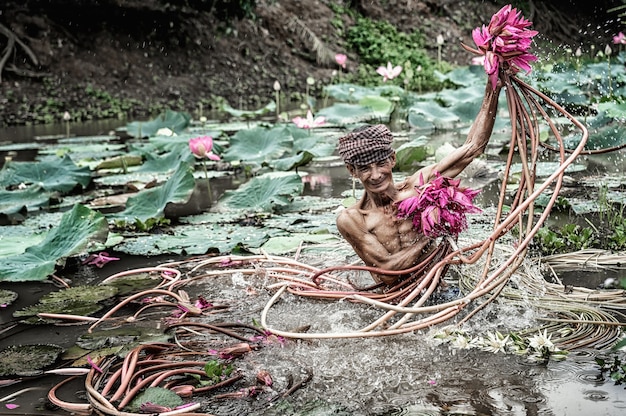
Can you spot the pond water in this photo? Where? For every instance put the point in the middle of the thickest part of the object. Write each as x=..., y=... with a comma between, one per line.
x=410, y=374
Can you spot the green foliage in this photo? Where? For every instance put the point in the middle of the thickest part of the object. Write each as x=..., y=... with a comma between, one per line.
x=215, y=370
x=77, y=229
x=570, y=237
x=266, y=193
x=27, y=360
x=60, y=175
x=379, y=42
x=156, y=396
x=151, y=203
x=615, y=369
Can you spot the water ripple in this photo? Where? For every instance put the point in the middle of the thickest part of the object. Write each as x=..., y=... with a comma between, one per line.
x=596, y=395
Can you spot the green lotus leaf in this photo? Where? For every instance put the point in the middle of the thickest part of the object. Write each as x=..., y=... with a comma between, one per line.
x=264, y=193
x=15, y=239
x=289, y=163
x=421, y=114
x=212, y=237
x=169, y=161
x=287, y=244
x=27, y=360
x=465, y=76
x=379, y=105
x=76, y=230
x=354, y=92
x=126, y=336
x=270, y=107
x=613, y=109
x=343, y=114
x=52, y=175
x=259, y=145
x=78, y=300
x=409, y=155
x=318, y=146
x=155, y=395
x=545, y=169
x=13, y=202
x=173, y=120
x=151, y=203
x=122, y=161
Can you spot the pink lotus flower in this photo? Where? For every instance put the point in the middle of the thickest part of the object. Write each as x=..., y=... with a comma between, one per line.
x=309, y=122
x=202, y=147
x=99, y=260
x=93, y=364
x=440, y=207
x=389, y=72
x=505, y=43
x=619, y=39
x=341, y=60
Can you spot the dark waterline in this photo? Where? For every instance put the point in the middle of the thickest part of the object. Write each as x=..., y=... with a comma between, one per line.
x=25, y=134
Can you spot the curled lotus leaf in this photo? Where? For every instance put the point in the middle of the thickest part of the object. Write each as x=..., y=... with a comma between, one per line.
x=27, y=360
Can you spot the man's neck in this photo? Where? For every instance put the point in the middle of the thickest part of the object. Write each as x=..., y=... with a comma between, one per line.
x=383, y=199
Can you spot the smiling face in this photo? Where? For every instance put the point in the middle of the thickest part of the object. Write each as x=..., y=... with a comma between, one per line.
x=375, y=177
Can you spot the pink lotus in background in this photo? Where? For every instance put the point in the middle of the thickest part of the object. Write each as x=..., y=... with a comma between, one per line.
x=389, y=72
x=440, y=207
x=341, y=60
x=309, y=122
x=504, y=43
x=619, y=39
x=202, y=147
x=99, y=260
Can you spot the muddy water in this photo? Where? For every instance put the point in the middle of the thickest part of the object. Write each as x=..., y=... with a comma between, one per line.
x=409, y=374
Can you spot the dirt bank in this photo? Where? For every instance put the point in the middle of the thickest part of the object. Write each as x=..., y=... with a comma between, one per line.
x=97, y=59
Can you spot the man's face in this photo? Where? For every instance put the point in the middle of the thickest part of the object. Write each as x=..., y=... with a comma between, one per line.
x=377, y=176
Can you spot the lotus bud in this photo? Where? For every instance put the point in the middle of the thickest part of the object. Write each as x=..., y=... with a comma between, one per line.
x=184, y=390
x=264, y=377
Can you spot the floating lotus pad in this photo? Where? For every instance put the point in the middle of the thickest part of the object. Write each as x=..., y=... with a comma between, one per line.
x=27, y=360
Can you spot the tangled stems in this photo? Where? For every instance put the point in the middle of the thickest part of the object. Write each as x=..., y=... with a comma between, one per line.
x=526, y=110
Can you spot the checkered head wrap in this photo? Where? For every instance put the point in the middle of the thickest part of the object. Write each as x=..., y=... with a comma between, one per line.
x=365, y=146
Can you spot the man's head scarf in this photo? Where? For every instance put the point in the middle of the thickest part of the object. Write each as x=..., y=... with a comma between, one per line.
x=364, y=146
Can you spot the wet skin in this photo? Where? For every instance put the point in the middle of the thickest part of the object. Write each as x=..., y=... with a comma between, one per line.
x=371, y=227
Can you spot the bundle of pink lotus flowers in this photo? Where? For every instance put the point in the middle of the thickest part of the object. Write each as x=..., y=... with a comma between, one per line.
x=504, y=43
x=440, y=207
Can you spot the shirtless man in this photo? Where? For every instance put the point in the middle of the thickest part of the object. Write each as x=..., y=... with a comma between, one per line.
x=371, y=227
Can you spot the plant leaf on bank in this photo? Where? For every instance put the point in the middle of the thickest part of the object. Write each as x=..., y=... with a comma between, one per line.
x=52, y=175
x=76, y=230
x=151, y=203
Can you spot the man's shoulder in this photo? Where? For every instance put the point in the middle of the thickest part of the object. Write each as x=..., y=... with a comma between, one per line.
x=349, y=216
